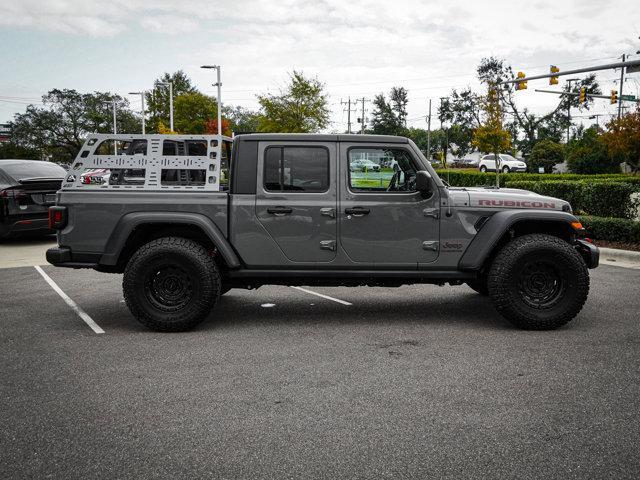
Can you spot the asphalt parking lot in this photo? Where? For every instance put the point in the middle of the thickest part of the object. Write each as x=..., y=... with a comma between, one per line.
x=414, y=382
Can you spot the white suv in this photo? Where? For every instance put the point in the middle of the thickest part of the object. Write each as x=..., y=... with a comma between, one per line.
x=507, y=164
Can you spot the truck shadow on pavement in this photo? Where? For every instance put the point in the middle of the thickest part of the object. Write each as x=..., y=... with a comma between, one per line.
x=237, y=310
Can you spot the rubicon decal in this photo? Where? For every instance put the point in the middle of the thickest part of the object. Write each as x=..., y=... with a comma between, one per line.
x=515, y=203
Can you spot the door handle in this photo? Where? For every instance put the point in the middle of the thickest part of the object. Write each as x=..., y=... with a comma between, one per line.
x=357, y=211
x=279, y=211
x=328, y=212
x=431, y=212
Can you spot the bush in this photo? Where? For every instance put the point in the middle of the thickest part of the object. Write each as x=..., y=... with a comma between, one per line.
x=589, y=155
x=475, y=178
x=604, y=198
x=546, y=154
x=609, y=199
x=611, y=229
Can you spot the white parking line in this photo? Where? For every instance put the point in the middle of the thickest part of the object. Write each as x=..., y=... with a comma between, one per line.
x=323, y=296
x=76, y=308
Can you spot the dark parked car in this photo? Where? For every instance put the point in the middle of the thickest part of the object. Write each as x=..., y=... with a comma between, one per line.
x=27, y=189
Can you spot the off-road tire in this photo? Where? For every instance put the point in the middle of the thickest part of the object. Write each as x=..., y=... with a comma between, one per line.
x=538, y=282
x=171, y=284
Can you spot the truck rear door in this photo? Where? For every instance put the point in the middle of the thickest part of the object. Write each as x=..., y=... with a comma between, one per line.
x=296, y=198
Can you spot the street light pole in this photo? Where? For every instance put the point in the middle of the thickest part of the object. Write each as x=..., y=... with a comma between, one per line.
x=143, y=112
x=624, y=56
x=170, y=85
x=429, y=133
x=219, y=85
x=115, y=128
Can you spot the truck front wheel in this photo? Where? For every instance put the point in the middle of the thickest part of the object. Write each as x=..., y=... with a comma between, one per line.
x=538, y=282
x=171, y=284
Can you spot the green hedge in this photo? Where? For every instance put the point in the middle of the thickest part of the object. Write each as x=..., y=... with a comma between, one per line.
x=602, y=198
x=612, y=229
x=459, y=178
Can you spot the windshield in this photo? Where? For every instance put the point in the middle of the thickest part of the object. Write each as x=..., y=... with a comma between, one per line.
x=32, y=169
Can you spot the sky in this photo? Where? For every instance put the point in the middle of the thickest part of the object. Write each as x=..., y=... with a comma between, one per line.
x=357, y=48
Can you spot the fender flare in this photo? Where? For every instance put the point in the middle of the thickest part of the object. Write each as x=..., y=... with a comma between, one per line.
x=130, y=221
x=489, y=235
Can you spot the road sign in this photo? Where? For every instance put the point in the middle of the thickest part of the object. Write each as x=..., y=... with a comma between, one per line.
x=628, y=98
x=634, y=69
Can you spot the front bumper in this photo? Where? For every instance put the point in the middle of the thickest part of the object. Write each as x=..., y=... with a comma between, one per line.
x=589, y=252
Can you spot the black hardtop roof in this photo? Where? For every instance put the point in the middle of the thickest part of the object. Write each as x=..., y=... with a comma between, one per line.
x=320, y=137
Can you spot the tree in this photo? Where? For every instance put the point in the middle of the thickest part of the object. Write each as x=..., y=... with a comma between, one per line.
x=11, y=150
x=58, y=129
x=300, y=108
x=389, y=117
x=491, y=137
x=528, y=127
x=461, y=108
x=157, y=100
x=588, y=154
x=192, y=112
x=399, y=99
x=546, y=154
x=622, y=139
x=242, y=120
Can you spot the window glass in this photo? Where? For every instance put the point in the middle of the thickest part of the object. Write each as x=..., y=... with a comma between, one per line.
x=296, y=169
x=381, y=170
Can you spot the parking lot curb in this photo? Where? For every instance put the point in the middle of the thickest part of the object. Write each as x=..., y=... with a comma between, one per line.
x=614, y=256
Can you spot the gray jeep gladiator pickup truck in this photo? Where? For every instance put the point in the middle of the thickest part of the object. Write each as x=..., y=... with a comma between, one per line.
x=186, y=218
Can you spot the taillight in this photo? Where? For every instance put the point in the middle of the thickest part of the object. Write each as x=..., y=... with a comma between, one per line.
x=14, y=193
x=57, y=217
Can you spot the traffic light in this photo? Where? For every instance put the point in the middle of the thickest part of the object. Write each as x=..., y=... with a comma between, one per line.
x=614, y=96
x=521, y=85
x=553, y=80
x=583, y=95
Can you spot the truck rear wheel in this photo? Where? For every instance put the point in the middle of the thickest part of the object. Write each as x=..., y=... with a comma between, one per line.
x=538, y=282
x=171, y=284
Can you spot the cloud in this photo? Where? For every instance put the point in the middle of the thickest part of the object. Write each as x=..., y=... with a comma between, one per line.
x=359, y=48
x=169, y=24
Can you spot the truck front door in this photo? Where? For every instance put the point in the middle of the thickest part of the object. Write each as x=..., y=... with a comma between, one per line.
x=384, y=221
x=296, y=199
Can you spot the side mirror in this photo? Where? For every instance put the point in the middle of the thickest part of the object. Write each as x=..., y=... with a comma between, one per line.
x=423, y=181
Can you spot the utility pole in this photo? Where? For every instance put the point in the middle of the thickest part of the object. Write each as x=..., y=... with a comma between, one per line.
x=446, y=133
x=429, y=133
x=348, y=103
x=143, y=112
x=624, y=56
x=219, y=85
x=569, y=107
x=362, y=118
